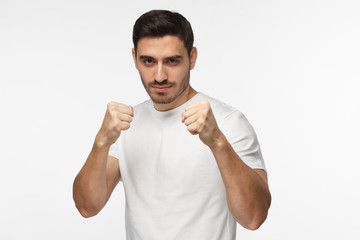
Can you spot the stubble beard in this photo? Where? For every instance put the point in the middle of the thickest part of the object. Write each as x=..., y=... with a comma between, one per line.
x=164, y=98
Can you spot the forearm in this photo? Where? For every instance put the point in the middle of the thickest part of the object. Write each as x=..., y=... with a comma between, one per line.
x=90, y=186
x=247, y=192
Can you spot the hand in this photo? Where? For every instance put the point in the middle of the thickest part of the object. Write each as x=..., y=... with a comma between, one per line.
x=117, y=118
x=199, y=119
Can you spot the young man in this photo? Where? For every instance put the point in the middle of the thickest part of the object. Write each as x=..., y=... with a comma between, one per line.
x=177, y=185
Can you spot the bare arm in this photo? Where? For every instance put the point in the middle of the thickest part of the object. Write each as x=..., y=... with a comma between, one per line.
x=247, y=191
x=95, y=181
x=101, y=173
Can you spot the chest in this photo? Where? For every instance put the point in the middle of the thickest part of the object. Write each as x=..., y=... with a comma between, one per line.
x=164, y=155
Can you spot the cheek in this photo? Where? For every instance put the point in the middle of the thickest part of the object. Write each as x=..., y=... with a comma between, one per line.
x=146, y=76
x=179, y=75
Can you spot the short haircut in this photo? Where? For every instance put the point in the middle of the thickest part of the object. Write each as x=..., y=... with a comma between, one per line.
x=158, y=23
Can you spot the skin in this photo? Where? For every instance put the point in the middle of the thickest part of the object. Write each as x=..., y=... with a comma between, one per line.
x=164, y=67
x=247, y=190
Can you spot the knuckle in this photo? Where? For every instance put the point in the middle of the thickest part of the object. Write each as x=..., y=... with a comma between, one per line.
x=186, y=121
x=110, y=104
x=116, y=124
x=191, y=130
x=125, y=125
x=125, y=117
x=205, y=102
x=201, y=121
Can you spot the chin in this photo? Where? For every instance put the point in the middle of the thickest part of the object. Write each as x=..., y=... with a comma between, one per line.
x=162, y=98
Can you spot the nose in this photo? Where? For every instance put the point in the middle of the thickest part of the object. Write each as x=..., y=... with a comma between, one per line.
x=160, y=73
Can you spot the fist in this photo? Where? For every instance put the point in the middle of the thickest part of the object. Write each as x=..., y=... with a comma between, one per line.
x=199, y=119
x=117, y=118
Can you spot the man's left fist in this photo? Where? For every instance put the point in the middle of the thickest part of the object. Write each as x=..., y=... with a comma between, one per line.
x=199, y=119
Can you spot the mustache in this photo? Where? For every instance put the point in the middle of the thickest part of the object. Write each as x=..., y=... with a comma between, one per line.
x=162, y=83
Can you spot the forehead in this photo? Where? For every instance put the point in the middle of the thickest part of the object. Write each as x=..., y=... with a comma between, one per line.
x=159, y=47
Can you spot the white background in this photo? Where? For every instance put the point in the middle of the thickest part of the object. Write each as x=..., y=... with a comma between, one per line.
x=292, y=67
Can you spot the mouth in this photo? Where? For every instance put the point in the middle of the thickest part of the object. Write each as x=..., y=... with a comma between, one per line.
x=161, y=88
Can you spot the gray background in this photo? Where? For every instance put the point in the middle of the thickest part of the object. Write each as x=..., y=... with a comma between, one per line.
x=292, y=67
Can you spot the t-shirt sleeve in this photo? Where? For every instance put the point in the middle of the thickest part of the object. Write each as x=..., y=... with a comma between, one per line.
x=242, y=138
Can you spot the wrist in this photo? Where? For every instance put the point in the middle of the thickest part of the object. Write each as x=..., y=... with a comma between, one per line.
x=219, y=142
x=101, y=142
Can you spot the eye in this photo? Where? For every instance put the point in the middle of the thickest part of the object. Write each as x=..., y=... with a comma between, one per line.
x=173, y=61
x=148, y=61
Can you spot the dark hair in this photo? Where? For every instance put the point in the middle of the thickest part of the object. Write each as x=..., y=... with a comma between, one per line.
x=158, y=23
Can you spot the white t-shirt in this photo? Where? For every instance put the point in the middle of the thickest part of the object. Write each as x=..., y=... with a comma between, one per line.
x=172, y=183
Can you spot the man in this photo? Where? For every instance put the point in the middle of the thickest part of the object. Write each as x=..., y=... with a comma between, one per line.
x=177, y=185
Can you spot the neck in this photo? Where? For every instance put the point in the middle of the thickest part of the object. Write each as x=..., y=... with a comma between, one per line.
x=186, y=95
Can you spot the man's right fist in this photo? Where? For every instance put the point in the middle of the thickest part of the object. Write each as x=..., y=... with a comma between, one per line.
x=117, y=118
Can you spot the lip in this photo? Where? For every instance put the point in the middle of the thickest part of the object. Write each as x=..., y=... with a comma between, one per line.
x=161, y=88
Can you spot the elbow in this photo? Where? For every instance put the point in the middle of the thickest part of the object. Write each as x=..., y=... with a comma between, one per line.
x=84, y=207
x=253, y=223
x=259, y=217
x=87, y=213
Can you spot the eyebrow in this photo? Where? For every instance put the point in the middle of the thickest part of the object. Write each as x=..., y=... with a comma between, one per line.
x=145, y=57
x=175, y=56
x=171, y=57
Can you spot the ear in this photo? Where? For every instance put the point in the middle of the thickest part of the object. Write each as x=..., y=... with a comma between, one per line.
x=193, y=57
x=134, y=57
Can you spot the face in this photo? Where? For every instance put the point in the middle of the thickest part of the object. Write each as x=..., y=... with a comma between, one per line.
x=164, y=66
